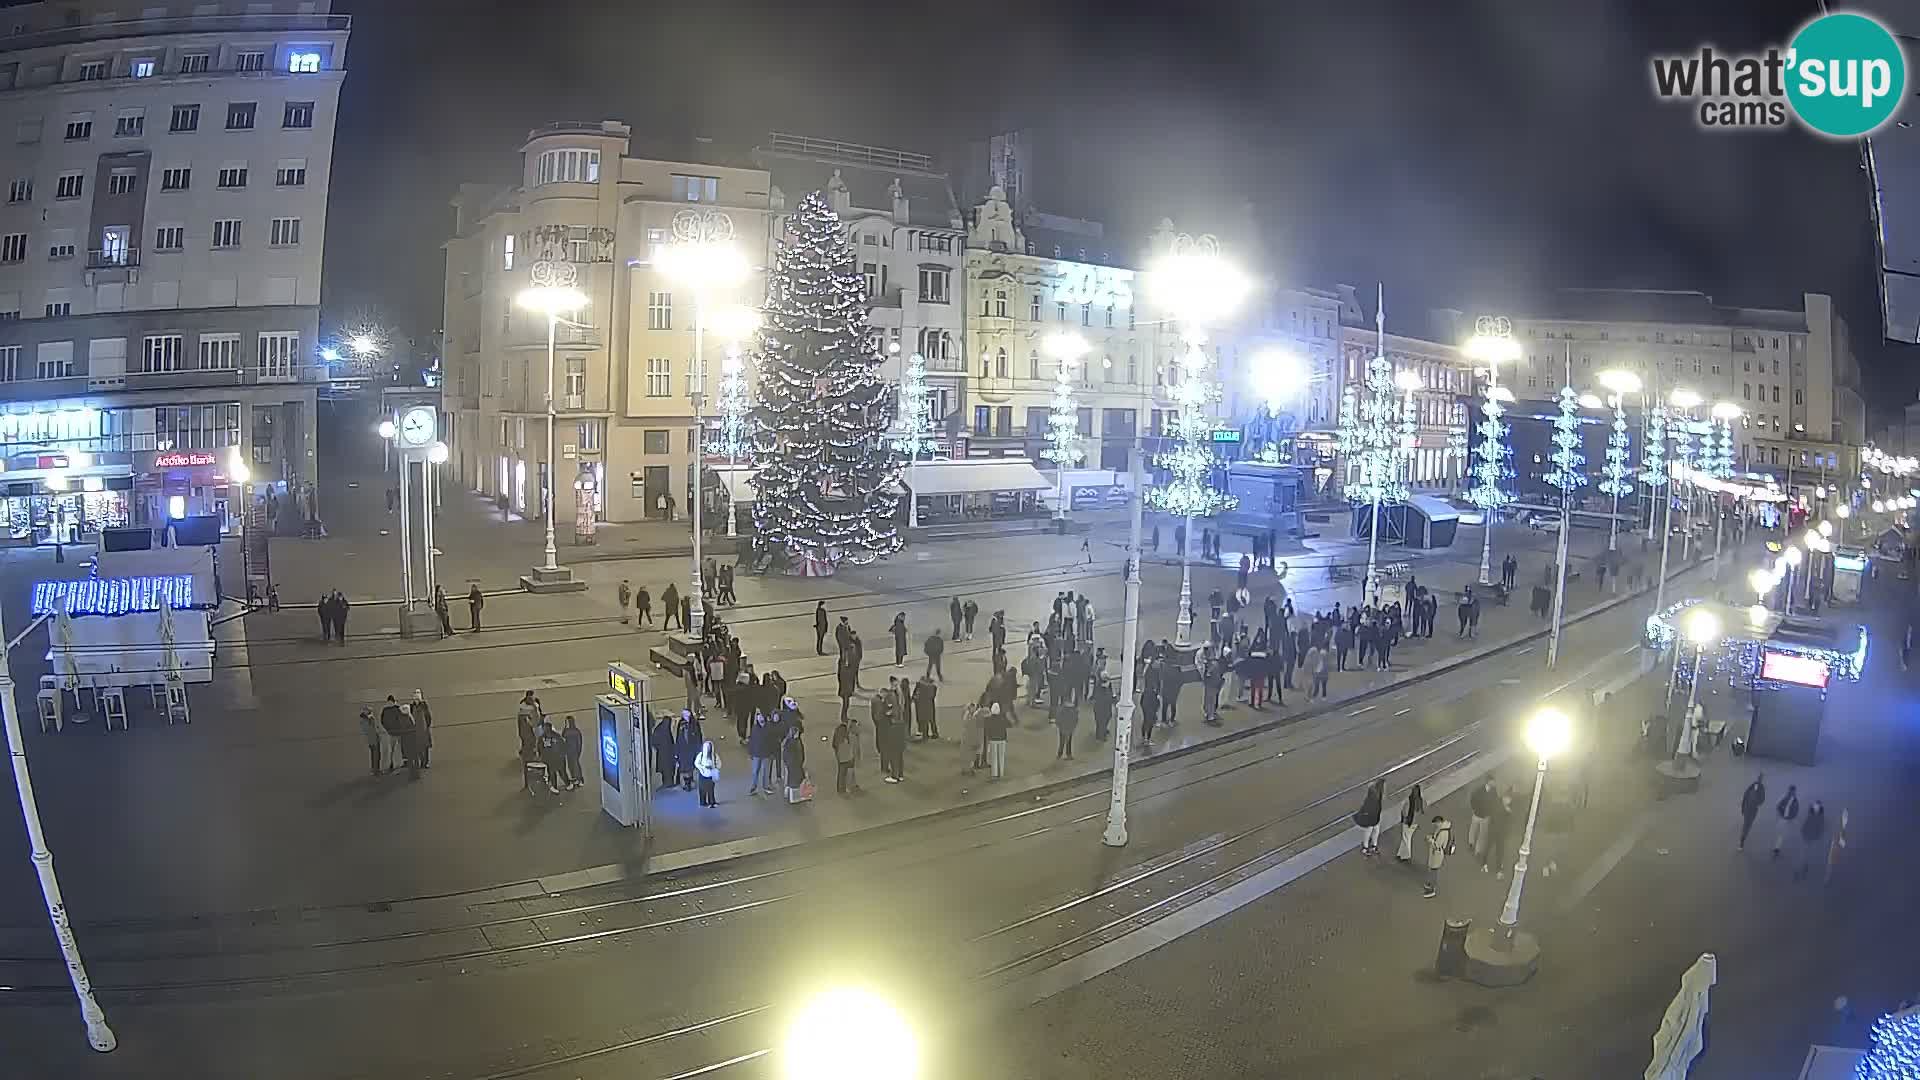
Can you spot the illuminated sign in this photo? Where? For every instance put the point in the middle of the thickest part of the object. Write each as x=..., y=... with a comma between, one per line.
x=609, y=748
x=113, y=596
x=1226, y=435
x=1855, y=563
x=1794, y=668
x=192, y=459
x=626, y=682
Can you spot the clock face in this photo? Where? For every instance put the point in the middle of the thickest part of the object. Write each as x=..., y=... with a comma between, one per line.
x=417, y=426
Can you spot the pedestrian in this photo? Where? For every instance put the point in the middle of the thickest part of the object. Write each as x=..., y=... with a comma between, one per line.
x=997, y=631
x=1102, y=709
x=670, y=604
x=1439, y=846
x=926, y=725
x=1466, y=609
x=547, y=744
x=843, y=756
x=1812, y=833
x=956, y=613
x=370, y=731
x=1212, y=679
x=572, y=742
x=1410, y=823
x=687, y=740
x=441, y=612
x=1481, y=804
x=1342, y=644
x=527, y=716
x=820, y=628
x=1751, y=801
x=666, y=756
x=995, y=729
x=1835, y=848
x=340, y=610
x=968, y=612
x=1600, y=574
x=423, y=728
x=1150, y=701
x=393, y=724
x=1787, y=809
x=1086, y=552
x=1473, y=617
x=934, y=647
x=1383, y=647
x=325, y=610
x=1065, y=725
x=1499, y=832
x=1317, y=667
x=760, y=751
x=475, y=601
x=793, y=761
x=626, y=597
x=727, y=595
x=706, y=765
x=1368, y=817
x=899, y=632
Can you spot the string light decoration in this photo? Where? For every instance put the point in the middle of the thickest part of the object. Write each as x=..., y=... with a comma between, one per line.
x=1491, y=468
x=1457, y=449
x=1845, y=659
x=1723, y=451
x=1190, y=492
x=1618, y=475
x=825, y=477
x=1376, y=438
x=1567, y=474
x=736, y=416
x=1063, y=423
x=1896, y=1048
x=112, y=596
x=1654, y=458
x=1346, y=438
x=914, y=437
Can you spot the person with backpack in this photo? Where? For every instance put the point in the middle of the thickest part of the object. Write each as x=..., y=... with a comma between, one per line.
x=1439, y=846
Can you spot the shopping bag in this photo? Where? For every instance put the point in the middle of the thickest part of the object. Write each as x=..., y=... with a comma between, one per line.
x=804, y=793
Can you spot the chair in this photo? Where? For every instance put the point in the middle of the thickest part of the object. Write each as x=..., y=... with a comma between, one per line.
x=113, y=706
x=50, y=710
x=177, y=704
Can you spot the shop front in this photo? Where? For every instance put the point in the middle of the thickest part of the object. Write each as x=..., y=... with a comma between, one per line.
x=62, y=498
x=173, y=484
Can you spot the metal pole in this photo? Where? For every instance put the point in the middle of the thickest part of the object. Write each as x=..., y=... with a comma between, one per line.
x=1116, y=834
x=1059, y=491
x=99, y=1035
x=553, y=326
x=696, y=609
x=1613, y=522
x=1693, y=689
x=1560, y=585
x=1487, y=512
x=1373, y=547
x=1666, y=535
x=1673, y=673
x=406, y=531
x=1510, y=914
x=1184, y=624
x=427, y=468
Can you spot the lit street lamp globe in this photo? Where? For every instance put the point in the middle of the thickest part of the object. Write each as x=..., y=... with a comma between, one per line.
x=850, y=1035
x=1684, y=398
x=1792, y=556
x=386, y=429
x=1702, y=627
x=1826, y=528
x=1843, y=511
x=1620, y=381
x=1757, y=615
x=1408, y=381
x=1761, y=581
x=438, y=453
x=1279, y=376
x=1548, y=733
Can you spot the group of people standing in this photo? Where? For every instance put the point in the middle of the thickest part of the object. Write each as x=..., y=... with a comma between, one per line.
x=402, y=734
x=549, y=756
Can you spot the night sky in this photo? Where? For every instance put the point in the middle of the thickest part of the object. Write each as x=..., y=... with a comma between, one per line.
x=1467, y=153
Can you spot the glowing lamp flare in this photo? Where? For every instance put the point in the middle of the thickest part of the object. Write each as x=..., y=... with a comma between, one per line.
x=850, y=1034
x=1701, y=626
x=1548, y=733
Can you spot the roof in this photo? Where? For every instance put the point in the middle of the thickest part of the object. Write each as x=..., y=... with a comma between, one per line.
x=930, y=201
x=1435, y=509
x=1892, y=158
x=1073, y=246
x=1659, y=306
x=976, y=476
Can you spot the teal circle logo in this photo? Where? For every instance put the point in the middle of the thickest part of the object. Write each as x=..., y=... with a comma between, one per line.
x=1846, y=75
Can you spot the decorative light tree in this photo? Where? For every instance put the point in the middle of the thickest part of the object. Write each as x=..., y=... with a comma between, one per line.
x=1654, y=458
x=915, y=434
x=1618, y=474
x=1492, y=344
x=1346, y=440
x=1568, y=475
x=736, y=423
x=1457, y=448
x=1896, y=1047
x=825, y=477
x=1063, y=423
x=1191, y=493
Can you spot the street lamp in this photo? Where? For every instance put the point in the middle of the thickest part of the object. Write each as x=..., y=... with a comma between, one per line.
x=1726, y=412
x=1548, y=733
x=1065, y=349
x=1683, y=399
x=1491, y=345
x=1619, y=477
x=1278, y=376
x=703, y=258
x=551, y=300
x=735, y=323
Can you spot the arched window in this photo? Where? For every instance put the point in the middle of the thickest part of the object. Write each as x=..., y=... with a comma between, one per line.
x=1000, y=363
x=1033, y=364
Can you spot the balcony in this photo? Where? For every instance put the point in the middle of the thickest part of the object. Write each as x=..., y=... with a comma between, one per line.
x=113, y=258
x=531, y=333
x=950, y=365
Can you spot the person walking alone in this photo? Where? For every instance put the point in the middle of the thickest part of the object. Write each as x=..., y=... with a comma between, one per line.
x=935, y=646
x=1481, y=804
x=899, y=632
x=642, y=607
x=1787, y=809
x=1368, y=817
x=670, y=603
x=475, y=601
x=820, y=623
x=1439, y=846
x=1410, y=823
x=625, y=596
x=1751, y=801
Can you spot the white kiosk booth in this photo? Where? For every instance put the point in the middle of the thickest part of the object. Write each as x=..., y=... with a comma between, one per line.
x=624, y=792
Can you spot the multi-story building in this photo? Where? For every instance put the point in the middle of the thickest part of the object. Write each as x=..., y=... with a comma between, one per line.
x=909, y=242
x=1027, y=281
x=1793, y=373
x=161, y=247
x=1442, y=404
x=1302, y=325
x=591, y=210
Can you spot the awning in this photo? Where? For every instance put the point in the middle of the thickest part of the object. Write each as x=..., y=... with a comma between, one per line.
x=1435, y=509
x=975, y=476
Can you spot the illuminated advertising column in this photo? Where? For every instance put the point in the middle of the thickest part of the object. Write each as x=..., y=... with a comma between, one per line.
x=622, y=732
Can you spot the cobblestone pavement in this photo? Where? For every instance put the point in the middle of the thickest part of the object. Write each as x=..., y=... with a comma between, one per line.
x=679, y=973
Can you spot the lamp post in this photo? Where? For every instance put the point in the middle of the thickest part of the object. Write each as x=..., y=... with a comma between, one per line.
x=1619, y=476
x=1683, y=399
x=1063, y=422
x=703, y=258
x=1491, y=345
x=734, y=323
x=437, y=455
x=551, y=294
x=99, y=1035
x=1548, y=732
x=1568, y=477
x=1116, y=831
x=1724, y=414
x=387, y=431
x=1679, y=772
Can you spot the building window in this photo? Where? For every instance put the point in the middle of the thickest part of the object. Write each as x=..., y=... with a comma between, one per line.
x=195, y=63
x=568, y=167
x=20, y=191
x=226, y=233
x=80, y=127
x=284, y=232
x=169, y=238
x=870, y=277
x=1000, y=363
x=1109, y=315
x=656, y=442
x=240, y=115
x=303, y=62
x=591, y=435
x=697, y=189
x=1060, y=311
x=1033, y=363
x=93, y=70
x=576, y=377
x=659, y=380
x=13, y=247
x=70, y=186
x=933, y=285
x=250, y=61
x=659, y=311
x=56, y=357
x=130, y=124
x=160, y=353
x=1776, y=395
x=278, y=350
x=1086, y=314
x=1033, y=307
x=142, y=68
x=176, y=179
x=1000, y=304
x=1746, y=391
x=185, y=118
x=299, y=114
x=1799, y=397
x=121, y=182
x=219, y=352
x=293, y=173
x=9, y=363
x=60, y=249
x=58, y=309
x=506, y=250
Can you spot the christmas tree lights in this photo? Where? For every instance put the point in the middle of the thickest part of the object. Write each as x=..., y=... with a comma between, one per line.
x=1654, y=458
x=1618, y=475
x=736, y=416
x=825, y=477
x=1492, y=452
x=914, y=436
x=1896, y=1048
x=1189, y=492
x=1063, y=423
x=1567, y=474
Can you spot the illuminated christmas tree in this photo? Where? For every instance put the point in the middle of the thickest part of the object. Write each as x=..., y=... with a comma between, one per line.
x=1896, y=1048
x=1063, y=423
x=913, y=437
x=1568, y=473
x=826, y=479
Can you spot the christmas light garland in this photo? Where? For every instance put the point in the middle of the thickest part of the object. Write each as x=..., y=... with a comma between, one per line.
x=915, y=435
x=1896, y=1048
x=1063, y=423
x=1567, y=474
x=1190, y=492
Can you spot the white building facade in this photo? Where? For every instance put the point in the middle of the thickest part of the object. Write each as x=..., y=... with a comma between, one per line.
x=161, y=244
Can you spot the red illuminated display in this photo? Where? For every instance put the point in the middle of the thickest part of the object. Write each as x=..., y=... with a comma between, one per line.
x=1794, y=668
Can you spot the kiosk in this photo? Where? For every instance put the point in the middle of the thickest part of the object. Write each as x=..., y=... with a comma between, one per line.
x=624, y=792
x=1849, y=571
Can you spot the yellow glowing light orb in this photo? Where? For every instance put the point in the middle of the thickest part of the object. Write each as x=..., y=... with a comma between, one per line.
x=850, y=1034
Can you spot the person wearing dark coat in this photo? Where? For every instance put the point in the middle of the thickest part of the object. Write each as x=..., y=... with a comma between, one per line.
x=325, y=610
x=846, y=677
x=397, y=722
x=423, y=728
x=1102, y=709
x=955, y=612
x=340, y=609
x=924, y=723
x=687, y=739
x=793, y=759
x=761, y=748
x=968, y=612
x=1368, y=817
x=1149, y=701
x=820, y=628
x=666, y=757
x=572, y=742
x=997, y=630
x=1751, y=801
x=670, y=608
x=935, y=647
x=899, y=632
